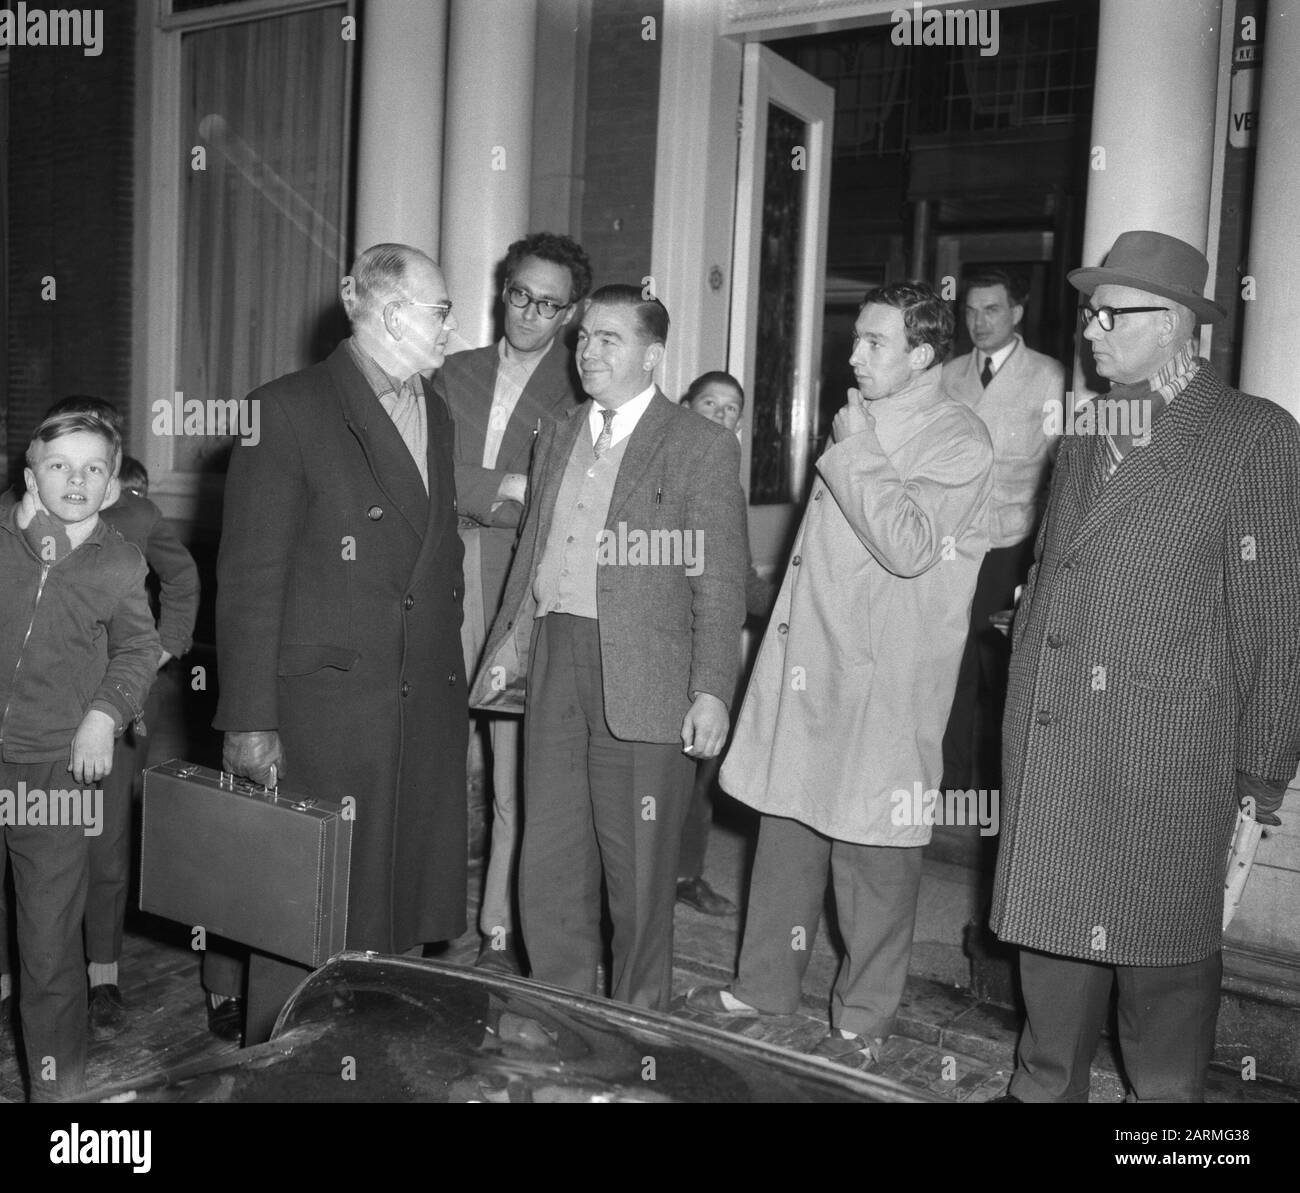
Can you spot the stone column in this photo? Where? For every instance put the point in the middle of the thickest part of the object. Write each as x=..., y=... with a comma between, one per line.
x=488, y=155
x=1152, y=148
x=1268, y=362
x=399, y=138
x=1152, y=122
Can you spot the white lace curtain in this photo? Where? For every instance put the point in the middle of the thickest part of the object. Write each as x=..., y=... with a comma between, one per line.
x=262, y=238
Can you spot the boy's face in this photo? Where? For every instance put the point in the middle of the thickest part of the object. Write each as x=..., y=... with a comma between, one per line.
x=73, y=475
x=719, y=402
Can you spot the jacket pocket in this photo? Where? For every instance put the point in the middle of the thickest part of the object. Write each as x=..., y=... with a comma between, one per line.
x=297, y=658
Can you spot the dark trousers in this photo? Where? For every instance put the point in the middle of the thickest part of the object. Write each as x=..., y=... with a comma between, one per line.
x=1167, y=1016
x=699, y=817
x=875, y=895
x=49, y=864
x=983, y=672
x=596, y=807
x=110, y=855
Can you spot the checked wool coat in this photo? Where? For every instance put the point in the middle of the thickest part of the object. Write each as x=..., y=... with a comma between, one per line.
x=1156, y=653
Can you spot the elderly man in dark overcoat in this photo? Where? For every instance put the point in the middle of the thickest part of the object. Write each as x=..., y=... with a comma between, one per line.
x=339, y=602
x=1154, y=687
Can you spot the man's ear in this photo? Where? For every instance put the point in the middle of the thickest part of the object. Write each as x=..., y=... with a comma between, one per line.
x=29, y=484
x=921, y=357
x=1017, y=313
x=392, y=321
x=653, y=355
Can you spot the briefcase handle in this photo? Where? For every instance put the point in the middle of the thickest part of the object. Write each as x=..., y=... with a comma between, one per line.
x=234, y=783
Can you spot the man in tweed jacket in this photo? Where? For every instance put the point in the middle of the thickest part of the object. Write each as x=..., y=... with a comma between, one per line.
x=1154, y=687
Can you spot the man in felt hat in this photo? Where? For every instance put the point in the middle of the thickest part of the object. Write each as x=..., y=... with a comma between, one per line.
x=1154, y=687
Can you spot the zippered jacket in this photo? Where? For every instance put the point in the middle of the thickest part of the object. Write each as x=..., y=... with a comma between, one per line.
x=75, y=635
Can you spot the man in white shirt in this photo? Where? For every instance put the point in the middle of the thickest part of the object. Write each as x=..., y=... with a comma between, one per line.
x=1017, y=393
x=498, y=397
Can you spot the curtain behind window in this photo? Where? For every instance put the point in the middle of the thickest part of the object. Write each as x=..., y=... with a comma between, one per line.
x=261, y=241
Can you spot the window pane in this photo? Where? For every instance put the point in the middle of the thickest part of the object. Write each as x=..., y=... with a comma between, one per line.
x=773, y=445
x=263, y=128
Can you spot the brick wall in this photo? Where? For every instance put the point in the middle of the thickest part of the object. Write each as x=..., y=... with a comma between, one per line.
x=70, y=184
x=621, y=135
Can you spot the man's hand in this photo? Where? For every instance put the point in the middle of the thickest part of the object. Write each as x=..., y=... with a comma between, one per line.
x=255, y=754
x=852, y=419
x=704, y=731
x=513, y=487
x=92, y=747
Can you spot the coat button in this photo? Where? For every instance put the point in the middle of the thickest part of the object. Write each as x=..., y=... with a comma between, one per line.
x=1055, y=641
x=410, y=601
x=818, y=495
x=406, y=688
x=1044, y=717
x=794, y=563
x=455, y=593
x=451, y=679
x=1067, y=564
x=374, y=513
x=783, y=628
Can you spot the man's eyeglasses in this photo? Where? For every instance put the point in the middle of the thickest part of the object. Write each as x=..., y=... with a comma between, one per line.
x=441, y=309
x=1106, y=315
x=548, y=308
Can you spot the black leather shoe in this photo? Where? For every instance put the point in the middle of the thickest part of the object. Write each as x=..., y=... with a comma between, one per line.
x=226, y=1019
x=105, y=1012
x=697, y=893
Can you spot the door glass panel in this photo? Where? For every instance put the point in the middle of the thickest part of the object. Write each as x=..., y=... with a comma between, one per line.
x=776, y=436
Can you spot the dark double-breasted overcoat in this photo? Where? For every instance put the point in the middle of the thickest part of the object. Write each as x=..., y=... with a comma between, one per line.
x=338, y=624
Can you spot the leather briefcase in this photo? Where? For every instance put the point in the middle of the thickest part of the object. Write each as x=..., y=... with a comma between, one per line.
x=258, y=866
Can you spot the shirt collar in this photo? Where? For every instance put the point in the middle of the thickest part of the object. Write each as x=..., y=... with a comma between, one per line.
x=517, y=365
x=626, y=416
x=380, y=381
x=999, y=358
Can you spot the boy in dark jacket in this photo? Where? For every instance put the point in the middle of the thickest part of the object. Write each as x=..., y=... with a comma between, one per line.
x=78, y=651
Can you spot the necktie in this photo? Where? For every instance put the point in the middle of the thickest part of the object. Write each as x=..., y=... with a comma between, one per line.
x=606, y=435
x=987, y=375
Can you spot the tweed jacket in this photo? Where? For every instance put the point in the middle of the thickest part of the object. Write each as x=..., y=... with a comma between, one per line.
x=466, y=382
x=664, y=633
x=1156, y=653
x=1015, y=407
x=338, y=624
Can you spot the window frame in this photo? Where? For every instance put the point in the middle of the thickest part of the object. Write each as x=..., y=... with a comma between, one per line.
x=193, y=498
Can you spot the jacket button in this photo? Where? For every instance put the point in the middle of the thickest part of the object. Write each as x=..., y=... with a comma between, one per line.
x=1055, y=641
x=451, y=679
x=406, y=688
x=410, y=601
x=818, y=495
x=1067, y=564
x=783, y=628
x=1044, y=717
x=374, y=513
x=455, y=593
x=794, y=563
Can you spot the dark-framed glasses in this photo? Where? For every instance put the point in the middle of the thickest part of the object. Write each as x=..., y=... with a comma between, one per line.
x=548, y=308
x=1106, y=315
